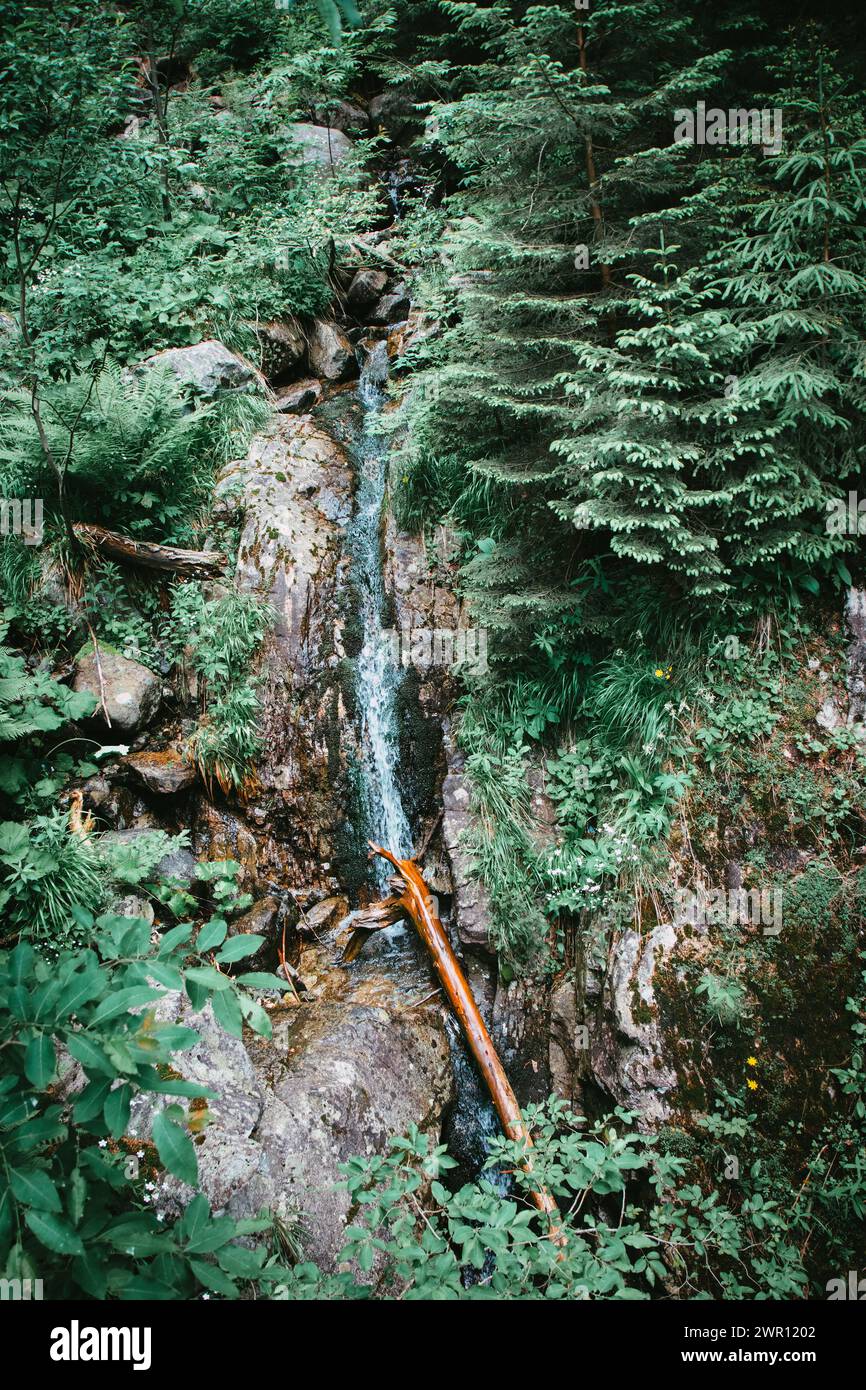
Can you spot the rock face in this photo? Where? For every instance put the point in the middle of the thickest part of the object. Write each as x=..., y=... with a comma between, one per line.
x=626, y=1051
x=292, y=496
x=331, y=353
x=855, y=612
x=132, y=691
x=319, y=147
x=209, y=367
x=261, y=920
x=471, y=908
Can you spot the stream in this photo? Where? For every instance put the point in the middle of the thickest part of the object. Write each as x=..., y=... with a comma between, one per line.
x=377, y=674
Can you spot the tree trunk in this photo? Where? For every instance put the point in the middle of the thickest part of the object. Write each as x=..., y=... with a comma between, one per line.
x=170, y=558
x=417, y=903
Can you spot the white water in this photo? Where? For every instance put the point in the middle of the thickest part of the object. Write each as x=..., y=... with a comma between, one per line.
x=378, y=676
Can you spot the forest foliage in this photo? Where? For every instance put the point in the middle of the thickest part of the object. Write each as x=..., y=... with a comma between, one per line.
x=642, y=406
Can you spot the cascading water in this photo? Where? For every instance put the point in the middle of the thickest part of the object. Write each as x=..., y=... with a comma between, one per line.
x=377, y=674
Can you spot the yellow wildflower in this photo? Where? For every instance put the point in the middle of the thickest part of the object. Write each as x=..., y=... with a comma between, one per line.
x=752, y=1085
x=659, y=672
x=751, y=1061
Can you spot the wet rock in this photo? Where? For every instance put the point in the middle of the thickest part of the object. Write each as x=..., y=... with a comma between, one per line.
x=317, y=147
x=300, y=396
x=132, y=692
x=331, y=353
x=283, y=347
x=293, y=499
x=391, y=308
x=366, y=289
x=209, y=367
x=164, y=774
x=520, y=1032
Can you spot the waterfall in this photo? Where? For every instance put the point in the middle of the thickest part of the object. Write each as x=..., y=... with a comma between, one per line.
x=377, y=674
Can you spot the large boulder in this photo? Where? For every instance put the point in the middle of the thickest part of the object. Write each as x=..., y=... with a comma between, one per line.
x=331, y=353
x=340, y=1075
x=366, y=289
x=317, y=148
x=128, y=694
x=209, y=367
x=391, y=308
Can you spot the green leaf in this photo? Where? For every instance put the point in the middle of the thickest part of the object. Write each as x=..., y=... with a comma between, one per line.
x=176, y=1150
x=227, y=1012
x=213, y=1278
x=54, y=1233
x=116, y=1109
x=40, y=1061
x=34, y=1188
x=212, y=934
x=246, y=944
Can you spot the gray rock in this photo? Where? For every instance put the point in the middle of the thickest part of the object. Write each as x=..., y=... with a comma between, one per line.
x=324, y=915
x=178, y=864
x=133, y=906
x=208, y=366
x=132, y=692
x=627, y=1052
x=336, y=1079
x=331, y=353
x=341, y=115
x=300, y=396
x=391, y=308
x=393, y=109
x=855, y=613
x=317, y=148
x=366, y=289
x=829, y=716
x=471, y=904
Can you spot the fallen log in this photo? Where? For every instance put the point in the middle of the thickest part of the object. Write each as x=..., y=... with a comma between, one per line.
x=415, y=902
x=200, y=564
